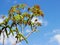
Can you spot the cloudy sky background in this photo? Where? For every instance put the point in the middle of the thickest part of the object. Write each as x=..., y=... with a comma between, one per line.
x=50, y=30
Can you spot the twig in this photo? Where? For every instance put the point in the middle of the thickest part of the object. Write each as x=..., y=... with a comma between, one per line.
x=21, y=28
x=29, y=34
x=26, y=37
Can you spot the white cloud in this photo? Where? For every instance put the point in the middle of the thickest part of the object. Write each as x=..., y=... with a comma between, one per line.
x=33, y=19
x=11, y=39
x=43, y=22
x=55, y=38
x=1, y=38
x=38, y=20
x=54, y=31
x=2, y=19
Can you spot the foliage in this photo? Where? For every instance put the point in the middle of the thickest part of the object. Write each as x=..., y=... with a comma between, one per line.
x=18, y=18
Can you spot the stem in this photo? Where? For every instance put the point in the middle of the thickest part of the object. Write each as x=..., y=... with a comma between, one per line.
x=3, y=37
x=29, y=34
x=17, y=39
x=26, y=37
x=22, y=33
x=21, y=28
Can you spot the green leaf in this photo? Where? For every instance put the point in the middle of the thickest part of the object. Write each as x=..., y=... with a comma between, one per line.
x=18, y=17
x=19, y=36
x=25, y=22
x=25, y=14
x=18, y=12
x=23, y=37
x=37, y=7
x=38, y=23
x=22, y=6
x=6, y=21
x=6, y=32
x=17, y=30
x=11, y=32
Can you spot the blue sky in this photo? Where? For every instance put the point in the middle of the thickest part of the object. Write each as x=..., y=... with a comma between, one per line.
x=49, y=32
